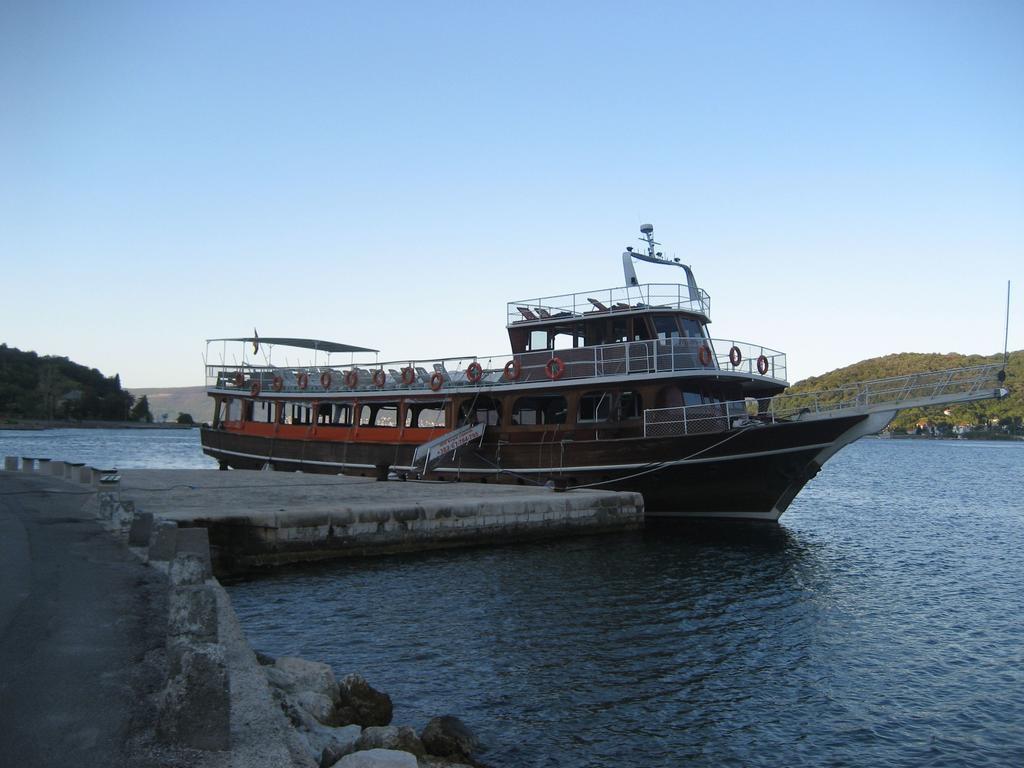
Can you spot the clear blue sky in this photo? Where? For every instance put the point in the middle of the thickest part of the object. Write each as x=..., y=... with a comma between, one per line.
x=847, y=179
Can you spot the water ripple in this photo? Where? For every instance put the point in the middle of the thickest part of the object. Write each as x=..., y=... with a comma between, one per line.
x=880, y=624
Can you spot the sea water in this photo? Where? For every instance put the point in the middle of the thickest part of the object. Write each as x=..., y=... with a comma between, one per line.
x=880, y=623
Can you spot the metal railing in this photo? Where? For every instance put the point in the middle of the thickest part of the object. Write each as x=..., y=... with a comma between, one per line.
x=674, y=355
x=609, y=301
x=912, y=391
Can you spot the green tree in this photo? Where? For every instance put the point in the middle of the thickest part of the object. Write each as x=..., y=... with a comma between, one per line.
x=185, y=418
x=140, y=411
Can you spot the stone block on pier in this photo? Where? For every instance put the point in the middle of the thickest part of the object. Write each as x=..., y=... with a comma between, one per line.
x=85, y=475
x=10, y=463
x=195, y=707
x=141, y=530
x=57, y=468
x=28, y=464
x=162, y=541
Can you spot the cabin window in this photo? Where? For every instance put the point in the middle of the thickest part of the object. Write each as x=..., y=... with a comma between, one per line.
x=301, y=413
x=340, y=414
x=630, y=405
x=692, y=397
x=595, y=406
x=233, y=409
x=666, y=327
x=539, y=340
x=481, y=410
x=692, y=328
x=546, y=409
x=425, y=415
x=265, y=412
x=620, y=330
x=383, y=415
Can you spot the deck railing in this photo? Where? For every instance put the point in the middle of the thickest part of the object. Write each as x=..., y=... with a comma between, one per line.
x=675, y=355
x=912, y=391
x=609, y=301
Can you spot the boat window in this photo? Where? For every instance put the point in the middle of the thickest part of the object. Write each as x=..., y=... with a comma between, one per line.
x=545, y=409
x=630, y=405
x=666, y=326
x=481, y=410
x=328, y=414
x=233, y=410
x=692, y=328
x=539, y=340
x=341, y=415
x=620, y=330
x=264, y=412
x=301, y=413
x=595, y=406
x=567, y=341
x=383, y=415
x=425, y=415
x=699, y=398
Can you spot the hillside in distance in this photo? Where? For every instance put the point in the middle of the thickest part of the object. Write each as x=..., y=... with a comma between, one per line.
x=975, y=414
x=175, y=400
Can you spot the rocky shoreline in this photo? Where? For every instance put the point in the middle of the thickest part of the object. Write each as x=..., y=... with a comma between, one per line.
x=347, y=723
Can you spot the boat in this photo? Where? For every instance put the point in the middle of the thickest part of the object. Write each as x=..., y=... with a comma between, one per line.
x=621, y=388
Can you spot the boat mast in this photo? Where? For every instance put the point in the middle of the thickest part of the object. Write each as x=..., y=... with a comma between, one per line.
x=654, y=257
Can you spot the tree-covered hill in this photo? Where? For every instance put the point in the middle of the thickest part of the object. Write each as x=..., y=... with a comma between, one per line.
x=48, y=387
x=1008, y=411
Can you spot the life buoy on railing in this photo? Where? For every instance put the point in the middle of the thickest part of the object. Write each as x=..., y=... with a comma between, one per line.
x=704, y=355
x=254, y=390
x=436, y=381
x=239, y=379
x=513, y=369
x=555, y=368
x=474, y=372
x=326, y=379
x=408, y=375
x=735, y=356
x=351, y=379
x=762, y=365
x=379, y=378
x=277, y=384
x=302, y=380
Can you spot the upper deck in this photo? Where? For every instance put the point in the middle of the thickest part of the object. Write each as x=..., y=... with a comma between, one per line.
x=586, y=304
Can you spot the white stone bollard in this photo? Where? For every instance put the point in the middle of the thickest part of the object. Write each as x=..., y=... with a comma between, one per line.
x=28, y=464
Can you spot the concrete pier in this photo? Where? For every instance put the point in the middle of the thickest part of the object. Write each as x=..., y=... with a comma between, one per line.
x=256, y=519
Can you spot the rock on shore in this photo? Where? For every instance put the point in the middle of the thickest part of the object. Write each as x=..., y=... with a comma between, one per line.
x=348, y=724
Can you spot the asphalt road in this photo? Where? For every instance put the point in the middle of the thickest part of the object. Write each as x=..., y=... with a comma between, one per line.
x=81, y=635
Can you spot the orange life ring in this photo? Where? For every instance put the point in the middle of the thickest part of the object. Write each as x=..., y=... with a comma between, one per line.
x=474, y=372
x=351, y=379
x=302, y=380
x=254, y=390
x=762, y=365
x=277, y=383
x=513, y=369
x=380, y=378
x=704, y=355
x=326, y=379
x=436, y=381
x=735, y=356
x=408, y=376
x=239, y=379
x=555, y=368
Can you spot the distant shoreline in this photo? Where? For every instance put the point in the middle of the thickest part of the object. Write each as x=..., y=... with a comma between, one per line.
x=31, y=425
